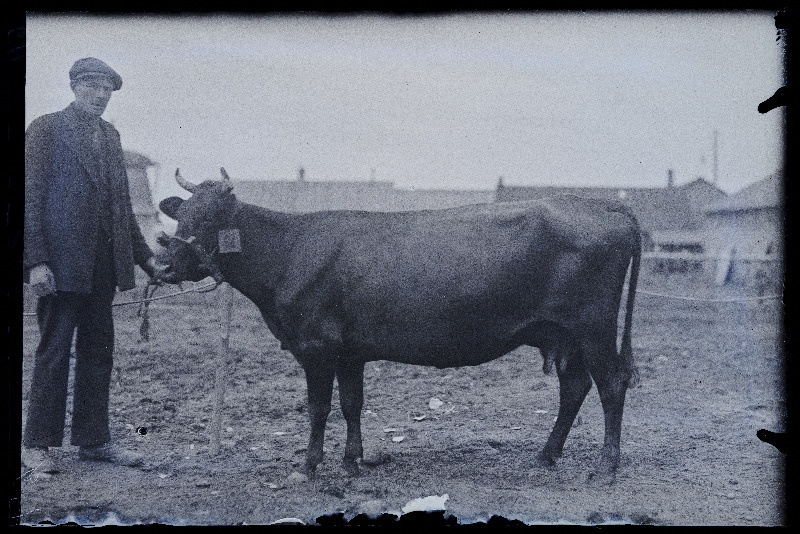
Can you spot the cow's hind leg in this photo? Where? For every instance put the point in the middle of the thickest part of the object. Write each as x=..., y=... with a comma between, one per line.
x=350, y=376
x=319, y=381
x=574, y=384
x=611, y=376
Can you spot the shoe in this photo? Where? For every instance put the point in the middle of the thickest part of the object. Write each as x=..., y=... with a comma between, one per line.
x=39, y=461
x=111, y=454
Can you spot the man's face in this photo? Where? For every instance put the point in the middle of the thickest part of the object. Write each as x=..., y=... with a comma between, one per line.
x=92, y=94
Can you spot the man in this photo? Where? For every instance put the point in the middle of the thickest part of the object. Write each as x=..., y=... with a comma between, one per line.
x=81, y=243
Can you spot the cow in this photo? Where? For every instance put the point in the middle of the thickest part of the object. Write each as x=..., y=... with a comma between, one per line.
x=445, y=288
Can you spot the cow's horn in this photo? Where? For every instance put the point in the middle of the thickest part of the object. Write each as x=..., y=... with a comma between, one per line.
x=227, y=183
x=186, y=184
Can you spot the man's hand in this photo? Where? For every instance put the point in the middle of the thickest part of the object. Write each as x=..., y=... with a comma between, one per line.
x=154, y=269
x=150, y=267
x=42, y=280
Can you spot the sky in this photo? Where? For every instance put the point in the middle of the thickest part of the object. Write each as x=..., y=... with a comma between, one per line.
x=431, y=102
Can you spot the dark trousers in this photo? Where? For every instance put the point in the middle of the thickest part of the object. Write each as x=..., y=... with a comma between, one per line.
x=88, y=316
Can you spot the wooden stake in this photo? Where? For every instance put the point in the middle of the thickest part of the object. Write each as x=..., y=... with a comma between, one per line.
x=226, y=297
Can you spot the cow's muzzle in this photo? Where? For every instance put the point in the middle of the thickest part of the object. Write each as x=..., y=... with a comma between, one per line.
x=205, y=259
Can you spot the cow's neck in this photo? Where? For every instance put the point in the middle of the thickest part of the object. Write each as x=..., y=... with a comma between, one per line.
x=254, y=270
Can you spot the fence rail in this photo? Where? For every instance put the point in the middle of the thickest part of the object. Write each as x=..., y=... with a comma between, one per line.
x=663, y=255
x=764, y=272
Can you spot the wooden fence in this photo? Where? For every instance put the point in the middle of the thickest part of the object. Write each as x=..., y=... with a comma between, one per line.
x=759, y=271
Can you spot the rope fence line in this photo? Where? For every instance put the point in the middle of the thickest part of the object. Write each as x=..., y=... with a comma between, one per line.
x=638, y=291
x=698, y=299
x=150, y=299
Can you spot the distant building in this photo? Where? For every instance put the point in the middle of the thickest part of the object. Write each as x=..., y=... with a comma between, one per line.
x=749, y=227
x=701, y=193
x=303, y=195
x=690, y=236
x=428, y=199
x=671, y=217
x=144, y=210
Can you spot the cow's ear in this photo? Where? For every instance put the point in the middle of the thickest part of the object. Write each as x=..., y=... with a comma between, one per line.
x=169, y=206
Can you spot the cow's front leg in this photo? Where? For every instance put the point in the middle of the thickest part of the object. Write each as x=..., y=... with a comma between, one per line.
x=319, y=382
x=350, y=376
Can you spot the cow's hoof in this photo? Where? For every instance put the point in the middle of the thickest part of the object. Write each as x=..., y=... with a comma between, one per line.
x=311, y=471
x=601, y=479
x=351, y=468
x=544, y=459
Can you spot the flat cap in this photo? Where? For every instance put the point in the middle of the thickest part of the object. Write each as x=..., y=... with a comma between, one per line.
x=90, y=66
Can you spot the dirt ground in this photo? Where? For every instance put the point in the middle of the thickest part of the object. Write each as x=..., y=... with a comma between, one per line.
x=711, y=376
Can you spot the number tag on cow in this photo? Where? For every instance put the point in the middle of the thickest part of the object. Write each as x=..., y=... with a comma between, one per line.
x=229, y=241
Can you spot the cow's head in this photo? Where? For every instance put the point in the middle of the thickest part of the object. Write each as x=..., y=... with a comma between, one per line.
x=190, y=253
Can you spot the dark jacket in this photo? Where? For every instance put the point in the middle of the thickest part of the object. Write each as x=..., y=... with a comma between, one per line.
x=63, y=205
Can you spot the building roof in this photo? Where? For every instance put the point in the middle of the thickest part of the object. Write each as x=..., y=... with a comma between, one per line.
x=656, y=208
x=702, y=187
x=701, y=193
x=423, y=199
x=137, y=160
x=765, y=193
x=297, y=196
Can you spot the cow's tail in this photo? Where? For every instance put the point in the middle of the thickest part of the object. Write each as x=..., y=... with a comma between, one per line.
x=626, y=349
